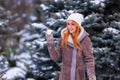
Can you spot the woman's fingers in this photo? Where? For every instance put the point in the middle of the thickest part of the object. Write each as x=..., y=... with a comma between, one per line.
x=49, y=37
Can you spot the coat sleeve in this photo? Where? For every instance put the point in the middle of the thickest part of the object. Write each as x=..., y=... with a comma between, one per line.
x=55, y=51
x=88, y=57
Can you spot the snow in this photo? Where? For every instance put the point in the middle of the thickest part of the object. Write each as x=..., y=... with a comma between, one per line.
x=58, y=14
x=30, y=79
x=40, y=42
x=89, y=16
x=96, y=2
x=46, y=68
x=1, y=57
x=39, y=25
x=27, y=27
x=118, y=23
x=23, y=55
x=1, y=23
x=1, y=8
x=20, y=70
x=44, y=58
x=51, y=21
x=0, y=47
x=110, y=29
x=28, y=44
x=56, y=0
x=21, y=65
x=14, y=72
x=100, y=49
x=70, y=11
x=43, y=6
x=27, y=36
x=49, y=31
x=3, y=63
x=33, y=18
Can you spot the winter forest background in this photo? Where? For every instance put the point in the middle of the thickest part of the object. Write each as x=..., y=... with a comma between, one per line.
x=23, y=50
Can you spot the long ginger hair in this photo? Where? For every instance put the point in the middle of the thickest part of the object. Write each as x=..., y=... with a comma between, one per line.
x=74, y=38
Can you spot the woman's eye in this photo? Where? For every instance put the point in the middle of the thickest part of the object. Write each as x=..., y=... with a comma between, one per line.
x=72, y=24
x=68, y=24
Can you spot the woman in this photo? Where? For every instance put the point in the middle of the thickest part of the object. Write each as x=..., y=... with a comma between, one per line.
x=75, y=49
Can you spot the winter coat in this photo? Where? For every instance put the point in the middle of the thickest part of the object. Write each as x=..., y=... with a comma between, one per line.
x=84, y=59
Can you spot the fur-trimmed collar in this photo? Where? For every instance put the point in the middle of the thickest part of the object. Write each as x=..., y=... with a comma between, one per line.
x=80, y=37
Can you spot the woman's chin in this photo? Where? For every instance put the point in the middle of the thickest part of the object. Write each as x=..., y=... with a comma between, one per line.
x=71, y=32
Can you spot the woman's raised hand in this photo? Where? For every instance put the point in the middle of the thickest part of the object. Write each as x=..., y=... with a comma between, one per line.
x=49, y=36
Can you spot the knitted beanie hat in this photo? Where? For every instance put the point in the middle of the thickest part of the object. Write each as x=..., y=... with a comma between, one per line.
x=77, y=17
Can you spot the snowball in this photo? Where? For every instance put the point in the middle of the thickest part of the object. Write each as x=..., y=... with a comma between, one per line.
x=49, y=31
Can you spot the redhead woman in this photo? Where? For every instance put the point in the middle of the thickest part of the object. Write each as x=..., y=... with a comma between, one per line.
x=75, y=49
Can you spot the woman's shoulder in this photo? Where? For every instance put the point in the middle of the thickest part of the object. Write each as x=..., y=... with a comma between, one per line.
x=86, y=39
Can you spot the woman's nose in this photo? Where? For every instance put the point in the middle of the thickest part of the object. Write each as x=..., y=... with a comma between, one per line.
x=70, y=26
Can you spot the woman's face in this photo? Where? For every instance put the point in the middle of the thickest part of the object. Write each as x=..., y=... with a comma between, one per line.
x=71, y=27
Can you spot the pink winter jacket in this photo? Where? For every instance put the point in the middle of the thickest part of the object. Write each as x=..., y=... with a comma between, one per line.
x=73, y=68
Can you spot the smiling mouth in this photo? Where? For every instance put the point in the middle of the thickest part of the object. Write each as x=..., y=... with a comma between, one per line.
x=71, y=29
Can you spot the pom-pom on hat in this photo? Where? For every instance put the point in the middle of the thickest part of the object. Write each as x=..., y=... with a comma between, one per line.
x=77, y=17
